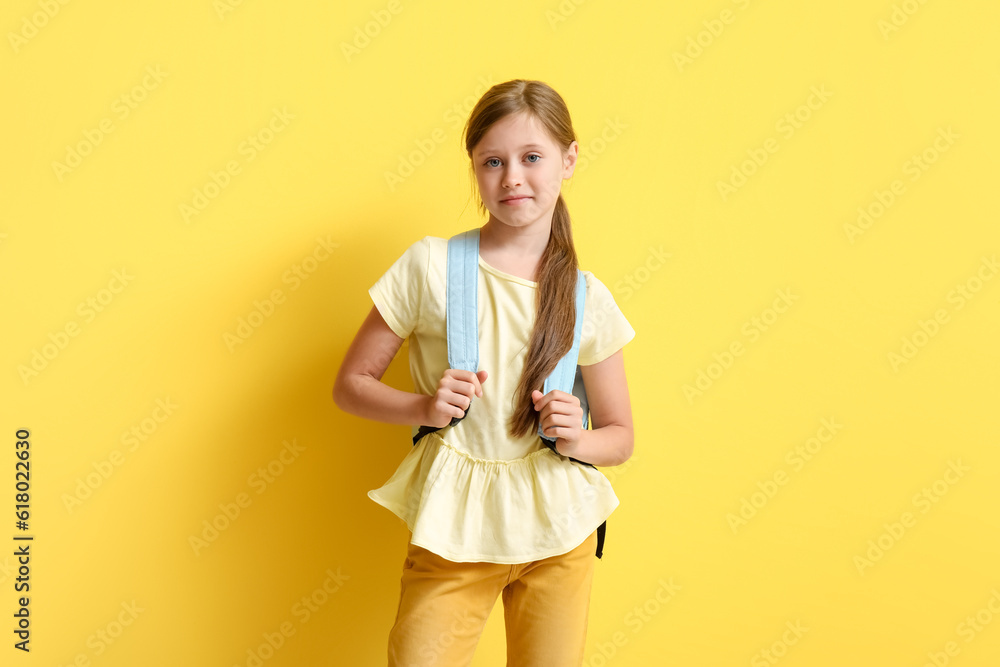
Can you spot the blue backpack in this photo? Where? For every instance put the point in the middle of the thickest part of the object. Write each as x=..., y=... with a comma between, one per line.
x=462, y=322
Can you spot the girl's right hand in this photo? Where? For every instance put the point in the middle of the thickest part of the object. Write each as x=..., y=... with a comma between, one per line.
x=453, y=397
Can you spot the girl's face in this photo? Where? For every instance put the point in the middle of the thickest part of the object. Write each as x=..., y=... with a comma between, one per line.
x=520, y=170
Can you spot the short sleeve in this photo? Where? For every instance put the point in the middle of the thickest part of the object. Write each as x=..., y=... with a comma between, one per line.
x=605, y=329
x=398, y=293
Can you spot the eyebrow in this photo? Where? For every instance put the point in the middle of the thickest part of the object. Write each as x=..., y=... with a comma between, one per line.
x=491, y=149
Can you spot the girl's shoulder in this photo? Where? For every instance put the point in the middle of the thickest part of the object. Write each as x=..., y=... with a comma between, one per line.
x=423, y=251
x=593, y=282
x=429, y=245
x=434, y=251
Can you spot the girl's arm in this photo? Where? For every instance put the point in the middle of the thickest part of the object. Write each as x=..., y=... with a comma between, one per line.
x=610, y=440
x=358, y=388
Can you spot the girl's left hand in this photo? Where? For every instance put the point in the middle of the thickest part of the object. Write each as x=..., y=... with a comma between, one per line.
x=561, y=416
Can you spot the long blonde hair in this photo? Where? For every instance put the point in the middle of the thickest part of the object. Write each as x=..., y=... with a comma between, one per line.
x=555, y=313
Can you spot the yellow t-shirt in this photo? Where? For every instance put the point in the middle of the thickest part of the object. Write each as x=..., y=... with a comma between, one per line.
x=470, y=492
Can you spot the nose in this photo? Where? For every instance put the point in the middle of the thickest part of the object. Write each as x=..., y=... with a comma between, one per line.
x=512, y=177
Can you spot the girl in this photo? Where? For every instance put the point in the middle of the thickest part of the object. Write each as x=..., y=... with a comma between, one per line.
x=489, y=507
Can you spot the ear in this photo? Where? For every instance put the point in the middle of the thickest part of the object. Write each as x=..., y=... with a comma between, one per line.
x=570, y=156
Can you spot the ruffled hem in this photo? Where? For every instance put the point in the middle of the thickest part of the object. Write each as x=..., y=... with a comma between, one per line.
x=484, y=510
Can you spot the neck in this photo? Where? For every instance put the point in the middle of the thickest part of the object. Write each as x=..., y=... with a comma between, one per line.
x=523, y=242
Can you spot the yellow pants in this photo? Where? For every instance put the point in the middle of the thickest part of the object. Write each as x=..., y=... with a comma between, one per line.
x=443, y=607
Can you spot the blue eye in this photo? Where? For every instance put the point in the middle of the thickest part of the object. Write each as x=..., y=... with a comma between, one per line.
x=535, y=155
x=492, y=159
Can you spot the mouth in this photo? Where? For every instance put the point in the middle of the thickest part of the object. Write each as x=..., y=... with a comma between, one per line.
x=515, y=200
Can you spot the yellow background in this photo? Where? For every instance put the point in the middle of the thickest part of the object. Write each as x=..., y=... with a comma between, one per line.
x=650, y=184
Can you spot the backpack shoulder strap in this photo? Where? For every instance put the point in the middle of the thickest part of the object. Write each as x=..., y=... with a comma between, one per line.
x=462, y=327
x=566, y=376
x=462, y=302
x=461, y=310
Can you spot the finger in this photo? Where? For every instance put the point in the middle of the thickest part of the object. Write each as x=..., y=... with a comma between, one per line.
x=461, y=400
x=557, y=395
x=563, y=397
x=449, y=405
x=558, y=420
x=554, y=431
x=456, y=397
x=463, y=382
x=554, y=403
x=473, y=386
x=478, y=382
x=540, y=400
